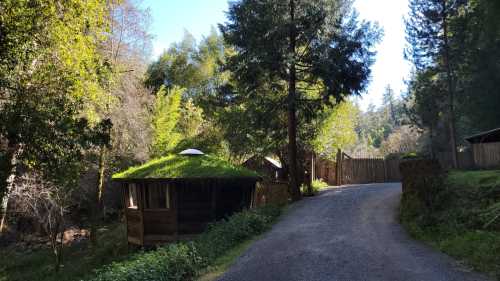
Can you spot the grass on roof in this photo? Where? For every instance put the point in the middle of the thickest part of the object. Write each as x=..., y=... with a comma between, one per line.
x=181, y=166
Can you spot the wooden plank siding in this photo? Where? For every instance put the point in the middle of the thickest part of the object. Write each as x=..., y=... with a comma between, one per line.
x=486, y=155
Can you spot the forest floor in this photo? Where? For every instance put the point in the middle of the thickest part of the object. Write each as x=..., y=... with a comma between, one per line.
x=36, y=262
x=348, y=233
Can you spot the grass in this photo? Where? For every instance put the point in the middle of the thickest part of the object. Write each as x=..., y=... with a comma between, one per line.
x=474, y=179
x=182, y=166
x=463, y=223
x=223, y=263
x=78, y=259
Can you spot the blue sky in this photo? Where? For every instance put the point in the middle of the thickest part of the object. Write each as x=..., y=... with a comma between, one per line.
x=171, y=18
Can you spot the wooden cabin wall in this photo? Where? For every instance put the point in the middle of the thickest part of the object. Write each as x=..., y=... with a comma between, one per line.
x=195, y=205
x=233, y=196
x=205, y=200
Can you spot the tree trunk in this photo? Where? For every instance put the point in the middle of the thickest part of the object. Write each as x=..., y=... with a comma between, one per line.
x=15, y=152
x=96, y=210
x=449, y=78
x=54, y=231
x=292, y=114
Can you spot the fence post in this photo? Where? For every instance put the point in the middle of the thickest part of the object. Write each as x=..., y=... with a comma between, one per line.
x=385, y=170
x=338, y=173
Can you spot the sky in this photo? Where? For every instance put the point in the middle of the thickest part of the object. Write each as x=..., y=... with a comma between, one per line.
x=171, y=18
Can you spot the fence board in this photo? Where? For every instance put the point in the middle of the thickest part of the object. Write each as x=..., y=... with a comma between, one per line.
x=358, y=171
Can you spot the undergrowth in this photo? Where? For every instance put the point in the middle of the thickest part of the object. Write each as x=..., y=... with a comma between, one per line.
x=463, y=219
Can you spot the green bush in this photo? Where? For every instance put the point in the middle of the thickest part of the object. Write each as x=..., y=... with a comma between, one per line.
x=226, y=234
x=173, y=262
x=316, y=186
x=182, y=261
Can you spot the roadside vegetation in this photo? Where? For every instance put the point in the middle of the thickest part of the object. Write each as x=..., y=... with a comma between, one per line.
x=463, y=219
x=186, y=260
x=35, y=261
x=316, y=186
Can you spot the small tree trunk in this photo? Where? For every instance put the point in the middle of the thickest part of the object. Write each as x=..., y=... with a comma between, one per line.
x=96, y=210
x=292, y=114
x=449, y=78
x=54, y=230
x=15, y=152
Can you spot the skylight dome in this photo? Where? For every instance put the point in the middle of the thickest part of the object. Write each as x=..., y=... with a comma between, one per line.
x=191, y=151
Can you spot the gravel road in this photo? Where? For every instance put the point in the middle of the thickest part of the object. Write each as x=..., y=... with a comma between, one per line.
x=349, y=233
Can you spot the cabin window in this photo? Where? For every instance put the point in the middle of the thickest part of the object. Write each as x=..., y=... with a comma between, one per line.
x=157, y=196
x=132, y=196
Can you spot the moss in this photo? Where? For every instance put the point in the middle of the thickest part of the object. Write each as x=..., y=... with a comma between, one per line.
x=180, y=166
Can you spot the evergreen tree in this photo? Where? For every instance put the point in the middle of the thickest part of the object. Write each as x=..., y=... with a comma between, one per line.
x=298, y=46
x=429, y=46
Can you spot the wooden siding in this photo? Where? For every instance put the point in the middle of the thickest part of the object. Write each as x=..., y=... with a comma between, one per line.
x=486, y=155
x=194, y=204
x=270, y=193
x=135, y=230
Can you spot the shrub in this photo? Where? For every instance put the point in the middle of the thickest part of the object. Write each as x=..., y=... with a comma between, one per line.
x=173, y=262
x=224, y=235
x=182, y=261
x=316, y=186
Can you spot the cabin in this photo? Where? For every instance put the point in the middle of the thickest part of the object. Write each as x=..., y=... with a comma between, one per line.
x=486, y=148
x=266, y=167
x=178, y=195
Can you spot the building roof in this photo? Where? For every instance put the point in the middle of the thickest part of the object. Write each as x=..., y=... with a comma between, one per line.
x=186, y=166
x=487, y=136
x=276, y=163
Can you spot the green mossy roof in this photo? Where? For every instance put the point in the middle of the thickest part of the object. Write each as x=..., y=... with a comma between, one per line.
x=182, y=166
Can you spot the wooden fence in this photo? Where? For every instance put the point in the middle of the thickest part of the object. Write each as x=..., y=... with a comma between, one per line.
x=357, y=170
x=481, y=156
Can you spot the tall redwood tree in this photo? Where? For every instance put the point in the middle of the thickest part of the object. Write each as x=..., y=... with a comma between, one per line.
x=299, y=46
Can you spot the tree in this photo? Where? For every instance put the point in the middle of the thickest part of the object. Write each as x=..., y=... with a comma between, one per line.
x=426, y=104
x=337, y=130
x=165, y=120
x=126, y=48
x=294, y=46
x=429, y=39
x=476, y=31
x=51, y=81
x=388, y=100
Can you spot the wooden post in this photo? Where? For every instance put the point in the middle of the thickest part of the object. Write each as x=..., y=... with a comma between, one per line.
x=385, y=170
x=313, y=170
x=338, y=172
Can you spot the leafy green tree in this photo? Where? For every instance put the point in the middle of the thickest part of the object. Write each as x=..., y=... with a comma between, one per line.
x=165, y=120
x=295, y=46
x=51, y=85
x=337, y=130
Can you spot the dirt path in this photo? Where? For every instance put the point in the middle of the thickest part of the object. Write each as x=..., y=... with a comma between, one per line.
x=350, y=234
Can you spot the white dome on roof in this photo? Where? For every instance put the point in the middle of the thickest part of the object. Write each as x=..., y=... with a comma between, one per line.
x=191, y=151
